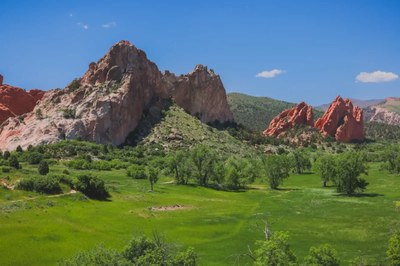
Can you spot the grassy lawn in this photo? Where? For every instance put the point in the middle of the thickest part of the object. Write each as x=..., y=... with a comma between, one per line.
x=39, y=230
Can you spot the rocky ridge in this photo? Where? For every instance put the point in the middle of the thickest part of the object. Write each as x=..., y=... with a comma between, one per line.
x=341, y=121
x=108, y=101
x=301, y=114
x=387, y=112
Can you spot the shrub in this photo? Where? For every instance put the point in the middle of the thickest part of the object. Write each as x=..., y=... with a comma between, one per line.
x=79, y=164
x=6, y=155
x=13, y=162
x=92, y=187
x=33, y=157
x=19, y=149
x=393, y=251
x=26, y=184
x=43, y=168
x=47, y=185
x=5, y=169
x=323, y=255
x=137, y=171
x=69, y=113
x=101, y=165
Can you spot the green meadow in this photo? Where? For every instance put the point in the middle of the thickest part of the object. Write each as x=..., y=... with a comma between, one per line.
x=221, y=225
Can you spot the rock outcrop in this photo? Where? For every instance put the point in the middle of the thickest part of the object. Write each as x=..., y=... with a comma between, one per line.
x=342, y=121
x=388, y=112
x=301, y=114
x=107, y=103
x=16, y=101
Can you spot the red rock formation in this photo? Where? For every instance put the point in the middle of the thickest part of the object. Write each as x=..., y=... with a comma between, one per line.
x=1, y=80
x=16, y=101
x=301, y=114
x=342, y=121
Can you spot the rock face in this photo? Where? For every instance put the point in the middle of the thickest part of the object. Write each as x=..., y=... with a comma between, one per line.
x=388, y=112
x=107, y=103
x=342, y=121
x=16, y=101
x=302, y=114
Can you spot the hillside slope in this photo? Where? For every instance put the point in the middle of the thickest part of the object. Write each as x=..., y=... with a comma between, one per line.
x=387, y=112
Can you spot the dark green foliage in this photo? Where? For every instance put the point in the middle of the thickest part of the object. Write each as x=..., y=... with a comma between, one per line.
x=137, y=171
x=26, y=184
x=382, y=132
x=240, y=172
x=19, y=149
x=349, y=167
x=79, y=164
x=43, y=168
x=152, y=173
x=274, y=251
x=75, y=84
x=92, y=187
x=41, y=184
x=393, y=251
x=98, y=256
x=276, y=168
x=46, y=185
x=13, y=162
x=391, y=156
x=6, y=169
x=323, y=255
x=33, y=157
x=6, y=155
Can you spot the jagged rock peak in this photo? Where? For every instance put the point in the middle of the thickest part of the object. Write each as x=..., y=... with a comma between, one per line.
x=301, y=114
x=342, y=121
x=1, y=79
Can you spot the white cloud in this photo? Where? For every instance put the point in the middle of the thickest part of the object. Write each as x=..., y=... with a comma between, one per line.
x=270, y=74
x=83, y=26
x=375, y=77
x=108, y=25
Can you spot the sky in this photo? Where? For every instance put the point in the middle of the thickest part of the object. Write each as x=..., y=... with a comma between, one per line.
x=289, y=50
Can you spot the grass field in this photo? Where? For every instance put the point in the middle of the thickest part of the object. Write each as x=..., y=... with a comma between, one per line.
x=40, y=230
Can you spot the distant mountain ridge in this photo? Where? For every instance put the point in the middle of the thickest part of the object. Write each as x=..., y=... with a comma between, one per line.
x=387, y=111
x=356, y=102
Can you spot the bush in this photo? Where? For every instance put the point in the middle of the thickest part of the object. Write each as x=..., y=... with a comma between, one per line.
x=33, y=157
x=323, y=255
x=26, y=184
x=69, y=113
x=19, y=149
x=43, y=168
x=92, y=187
x=393, y=251
x=5, y=169
x=64, y=179
x=137, y=171
x=13, y=162
x=6, y=155
x=101, y=165
x=79, y=164
x=47, y=185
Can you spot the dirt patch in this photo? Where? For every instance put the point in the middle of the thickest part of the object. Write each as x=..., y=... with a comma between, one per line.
x=169, y=208
x=6, y=185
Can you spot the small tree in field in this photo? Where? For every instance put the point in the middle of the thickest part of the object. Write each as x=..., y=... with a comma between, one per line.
x=152, y=175
x=349, y=167
x=13, y=162
x=274, y=251
x=326, y=167
x=43, y=168
x=300, y=162
x=277, y=169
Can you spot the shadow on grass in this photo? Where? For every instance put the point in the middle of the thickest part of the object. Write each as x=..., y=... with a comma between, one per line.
x=286, y=189
x=360, y=195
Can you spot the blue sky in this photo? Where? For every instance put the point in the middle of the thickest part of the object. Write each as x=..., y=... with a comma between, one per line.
x=301, y=50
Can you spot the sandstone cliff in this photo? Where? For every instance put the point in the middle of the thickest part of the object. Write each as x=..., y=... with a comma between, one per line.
x=16, y=101
x=301, y=114
x=107, y=103
x=342, y=121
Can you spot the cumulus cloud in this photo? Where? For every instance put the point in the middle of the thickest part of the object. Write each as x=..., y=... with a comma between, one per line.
x=83, y=26
x=270, y=73
x=375, y=77
x=108, y=25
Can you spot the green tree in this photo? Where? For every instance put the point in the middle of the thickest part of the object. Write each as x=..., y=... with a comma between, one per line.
x=185, y=258
x=349, y=167
x=203, y=164
x=393, y=251
x=240, y=172
x=276, y=168
x=300, y=162
x=6, y=155
x=325, y=165
x=13, y=162
x=323, y=255
x=19, y=149
x=274, y=251
x=177, y=164
x=43, y=168
x=152, y=175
